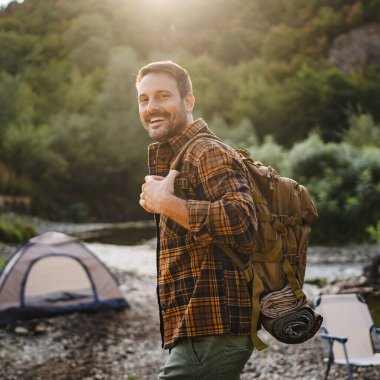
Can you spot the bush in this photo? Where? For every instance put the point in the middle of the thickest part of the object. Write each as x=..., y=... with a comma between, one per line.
x=9, y=233
x=374, y=232
x=15, y=231
x=344, y=181
x=363, y=131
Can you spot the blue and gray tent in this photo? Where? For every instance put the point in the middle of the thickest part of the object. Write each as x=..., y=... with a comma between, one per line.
x=54, y=274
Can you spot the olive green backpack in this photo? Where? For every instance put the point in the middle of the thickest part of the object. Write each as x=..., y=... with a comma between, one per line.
x=276, y=268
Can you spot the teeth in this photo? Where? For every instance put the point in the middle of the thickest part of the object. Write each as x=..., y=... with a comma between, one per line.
x=156, y=119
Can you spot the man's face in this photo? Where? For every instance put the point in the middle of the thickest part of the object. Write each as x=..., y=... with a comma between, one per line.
x=161, y=108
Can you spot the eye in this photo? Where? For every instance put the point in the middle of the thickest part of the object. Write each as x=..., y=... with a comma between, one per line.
x=164, y=96
x=143, y=100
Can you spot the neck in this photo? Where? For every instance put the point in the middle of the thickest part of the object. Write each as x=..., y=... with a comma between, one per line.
x=189, y=119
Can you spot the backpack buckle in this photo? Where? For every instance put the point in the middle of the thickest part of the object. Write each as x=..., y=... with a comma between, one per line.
x=293, y=259
x=248, y=273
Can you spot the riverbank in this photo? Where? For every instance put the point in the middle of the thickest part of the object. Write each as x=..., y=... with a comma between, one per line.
x=125, y=345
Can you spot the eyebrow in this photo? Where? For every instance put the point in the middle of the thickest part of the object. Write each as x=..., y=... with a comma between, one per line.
x=157, y=92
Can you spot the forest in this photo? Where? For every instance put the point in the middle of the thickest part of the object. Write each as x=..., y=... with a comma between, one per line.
x=295, y=82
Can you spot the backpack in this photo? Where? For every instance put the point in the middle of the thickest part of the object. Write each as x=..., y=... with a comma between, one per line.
x=276, y=267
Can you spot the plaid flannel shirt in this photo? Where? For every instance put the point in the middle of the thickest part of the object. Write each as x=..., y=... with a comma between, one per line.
x=200, y=290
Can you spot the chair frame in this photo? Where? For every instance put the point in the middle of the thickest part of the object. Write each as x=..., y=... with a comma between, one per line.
x=331, y=339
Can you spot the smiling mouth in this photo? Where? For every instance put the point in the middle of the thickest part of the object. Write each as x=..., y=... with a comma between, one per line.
x=156, y=121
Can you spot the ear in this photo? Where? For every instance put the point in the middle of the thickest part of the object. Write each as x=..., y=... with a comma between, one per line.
x=189, y=101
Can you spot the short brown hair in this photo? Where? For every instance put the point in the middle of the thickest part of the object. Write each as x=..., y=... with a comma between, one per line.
x=180, y=75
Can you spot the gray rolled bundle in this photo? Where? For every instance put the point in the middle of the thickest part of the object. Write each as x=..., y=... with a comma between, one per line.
x=295, y=327
x=287, y=317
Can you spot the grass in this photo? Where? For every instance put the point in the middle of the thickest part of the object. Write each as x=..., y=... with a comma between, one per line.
x=2, y=262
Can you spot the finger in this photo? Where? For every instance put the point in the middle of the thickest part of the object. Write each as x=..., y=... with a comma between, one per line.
x=144, y=205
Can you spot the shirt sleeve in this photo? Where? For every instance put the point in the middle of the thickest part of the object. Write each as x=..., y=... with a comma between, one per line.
x=224, y=209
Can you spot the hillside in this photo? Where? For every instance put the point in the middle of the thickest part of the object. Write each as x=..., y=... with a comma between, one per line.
x=69, y=128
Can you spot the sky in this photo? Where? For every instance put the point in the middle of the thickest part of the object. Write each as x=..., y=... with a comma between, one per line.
x=6, y=2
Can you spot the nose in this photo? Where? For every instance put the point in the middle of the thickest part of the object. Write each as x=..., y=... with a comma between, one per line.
x=152, y=106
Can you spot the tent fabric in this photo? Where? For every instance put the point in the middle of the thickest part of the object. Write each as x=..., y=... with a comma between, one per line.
x=55, y=273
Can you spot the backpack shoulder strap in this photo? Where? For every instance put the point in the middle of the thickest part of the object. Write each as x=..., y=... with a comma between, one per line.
x=178, y=160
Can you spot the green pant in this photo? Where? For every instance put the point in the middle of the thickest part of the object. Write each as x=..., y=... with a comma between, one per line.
x=220, y=357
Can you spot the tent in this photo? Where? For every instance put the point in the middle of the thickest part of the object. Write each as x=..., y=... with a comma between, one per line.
x=53, y=274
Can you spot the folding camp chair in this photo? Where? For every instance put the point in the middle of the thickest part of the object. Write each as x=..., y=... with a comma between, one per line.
x=347, y=321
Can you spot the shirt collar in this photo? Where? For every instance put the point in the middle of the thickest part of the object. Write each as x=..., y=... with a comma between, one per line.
x=178, y=141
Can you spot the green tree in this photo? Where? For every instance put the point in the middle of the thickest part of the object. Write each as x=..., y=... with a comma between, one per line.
x=14, y=50
x=362, y=131
x=16, y=102
x=28, y=150
x=280, y=44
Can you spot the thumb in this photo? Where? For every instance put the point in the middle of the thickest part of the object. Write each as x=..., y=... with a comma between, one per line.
x=172, y=175
x=170, y=179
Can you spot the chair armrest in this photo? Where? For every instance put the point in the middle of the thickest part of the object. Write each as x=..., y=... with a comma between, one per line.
x=340, y=339
x=376, y=339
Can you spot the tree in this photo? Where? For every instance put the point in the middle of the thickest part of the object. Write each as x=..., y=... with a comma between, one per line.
x=16, y=102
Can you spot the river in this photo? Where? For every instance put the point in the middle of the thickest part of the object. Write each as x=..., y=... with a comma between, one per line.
x=141, y=258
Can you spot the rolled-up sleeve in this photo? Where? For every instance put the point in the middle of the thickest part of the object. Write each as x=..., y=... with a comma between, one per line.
x=224, y=210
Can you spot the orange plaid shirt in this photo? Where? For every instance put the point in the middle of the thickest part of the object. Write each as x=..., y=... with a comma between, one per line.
x=200, y=290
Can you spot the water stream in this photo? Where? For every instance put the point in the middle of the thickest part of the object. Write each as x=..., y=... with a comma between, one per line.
x=111, y=244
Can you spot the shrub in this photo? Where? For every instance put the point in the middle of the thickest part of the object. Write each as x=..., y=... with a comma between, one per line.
x=15, y=231
x=374, y=232
x=9, y=233
x=344, y=181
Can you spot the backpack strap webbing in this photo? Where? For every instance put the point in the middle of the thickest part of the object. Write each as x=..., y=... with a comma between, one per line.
x=257, y=290
x=178, y=160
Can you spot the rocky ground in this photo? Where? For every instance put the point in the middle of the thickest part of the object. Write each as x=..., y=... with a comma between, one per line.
x=125, y=345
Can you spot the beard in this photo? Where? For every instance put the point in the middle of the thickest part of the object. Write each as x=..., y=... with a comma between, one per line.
x=171, y=125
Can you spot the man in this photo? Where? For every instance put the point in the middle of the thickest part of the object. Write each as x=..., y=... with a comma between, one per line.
x=204, y=302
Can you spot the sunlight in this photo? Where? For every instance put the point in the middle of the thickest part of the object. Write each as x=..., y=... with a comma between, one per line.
x=4, y=3
x=164, y=5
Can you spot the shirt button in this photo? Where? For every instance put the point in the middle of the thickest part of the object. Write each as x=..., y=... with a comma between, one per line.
x=159, y=273
x=154, y=162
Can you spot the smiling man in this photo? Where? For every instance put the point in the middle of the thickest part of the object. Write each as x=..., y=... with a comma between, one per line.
x=204, y=302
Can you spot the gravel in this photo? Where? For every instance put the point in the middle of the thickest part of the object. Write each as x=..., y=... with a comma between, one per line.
x=126, y=345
